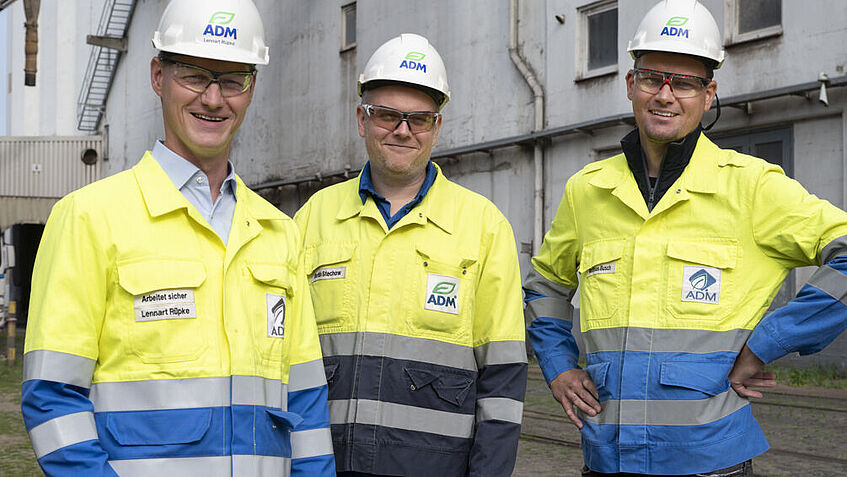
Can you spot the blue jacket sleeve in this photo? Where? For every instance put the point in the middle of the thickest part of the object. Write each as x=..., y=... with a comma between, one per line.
x=809, y=322
x=550, y=314
x=59, y=417
x=311, y=441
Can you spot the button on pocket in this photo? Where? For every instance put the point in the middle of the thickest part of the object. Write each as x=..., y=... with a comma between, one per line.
x=440, y=298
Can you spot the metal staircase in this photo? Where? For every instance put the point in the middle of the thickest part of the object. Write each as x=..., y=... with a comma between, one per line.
x=103, y=63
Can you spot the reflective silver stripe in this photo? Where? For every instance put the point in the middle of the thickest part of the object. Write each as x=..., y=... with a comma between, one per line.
x=400, y=416
x=830, y=281
x=260, y=465
x=556, y=301
x=175, y=466
x=499, y=409
x=61, y=432
x=160, y=394
x=834, y=248
x=398, y=347
x=664, y=341
x=59, y=367
x=669, y=413
x=311, y=443
x=256, y=391
x=500, y=352
x=306, y=375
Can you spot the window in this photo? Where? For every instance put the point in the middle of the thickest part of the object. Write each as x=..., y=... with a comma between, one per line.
x=777, y=147
x=598, y=39
x=348, y=26
x=749, y=20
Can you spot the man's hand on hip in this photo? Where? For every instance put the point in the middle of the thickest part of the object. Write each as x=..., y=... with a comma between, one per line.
x=746, y=372
x=575, y=388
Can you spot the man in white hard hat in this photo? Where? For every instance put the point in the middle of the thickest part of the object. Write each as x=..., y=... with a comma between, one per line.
x=416, y=289
x=678, y=247
x=171, y=331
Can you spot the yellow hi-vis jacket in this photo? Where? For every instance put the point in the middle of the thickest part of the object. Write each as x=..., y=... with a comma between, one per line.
x=421, y=329
x=153, y=349
x=669, y=297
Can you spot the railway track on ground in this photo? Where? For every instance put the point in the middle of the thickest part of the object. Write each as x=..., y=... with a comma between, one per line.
x=573, y=443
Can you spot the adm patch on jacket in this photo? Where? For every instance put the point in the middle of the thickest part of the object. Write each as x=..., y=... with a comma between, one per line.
x=442, y=293
x=701, y=284
x=276, y=315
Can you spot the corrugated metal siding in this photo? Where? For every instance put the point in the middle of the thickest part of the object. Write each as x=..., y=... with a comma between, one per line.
x=47, y=167
x=17, y=210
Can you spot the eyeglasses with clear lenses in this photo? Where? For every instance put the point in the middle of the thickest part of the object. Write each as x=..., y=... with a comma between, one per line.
x=682, y=86
x=390, y=118
x=197, y=79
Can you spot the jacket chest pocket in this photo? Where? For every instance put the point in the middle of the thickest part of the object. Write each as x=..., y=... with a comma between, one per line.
x=440, y=295
x=167, y=320
x=700, y=278
x=602, y=280
x=331, y=277
x=268, y=297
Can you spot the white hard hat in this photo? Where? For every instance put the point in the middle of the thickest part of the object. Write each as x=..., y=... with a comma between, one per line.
x=679, y=26
x=408, y=59
x=226, y=30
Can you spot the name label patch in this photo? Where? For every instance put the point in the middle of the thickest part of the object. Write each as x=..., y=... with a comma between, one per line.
x=442, y=293
x=174, y=304
x=276, y=315
x=608, y=267
x=701, y=284
x=329, y=273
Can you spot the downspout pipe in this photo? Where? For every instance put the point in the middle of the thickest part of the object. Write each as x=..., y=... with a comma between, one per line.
x=31, y=8
x=538, y=95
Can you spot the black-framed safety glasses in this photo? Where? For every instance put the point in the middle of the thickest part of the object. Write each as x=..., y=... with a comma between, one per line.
x=390, y=118
x=197, y=79
x=682, y=86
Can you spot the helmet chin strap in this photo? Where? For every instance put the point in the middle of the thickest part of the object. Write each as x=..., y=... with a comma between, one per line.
x=717, y=113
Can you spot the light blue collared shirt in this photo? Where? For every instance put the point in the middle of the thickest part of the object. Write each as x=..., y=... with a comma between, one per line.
x=194, y=186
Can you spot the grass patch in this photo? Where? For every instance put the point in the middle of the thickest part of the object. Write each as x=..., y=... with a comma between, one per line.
x=816, y=375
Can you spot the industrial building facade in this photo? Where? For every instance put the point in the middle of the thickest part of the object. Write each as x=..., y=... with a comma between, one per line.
x=537, y=88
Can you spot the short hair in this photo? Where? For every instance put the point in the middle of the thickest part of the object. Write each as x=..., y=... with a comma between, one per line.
x=437, y=96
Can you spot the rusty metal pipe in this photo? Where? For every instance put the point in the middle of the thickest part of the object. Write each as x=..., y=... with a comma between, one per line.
x=31, y=8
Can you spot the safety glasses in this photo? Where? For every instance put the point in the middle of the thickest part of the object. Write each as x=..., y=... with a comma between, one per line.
x=390, y=118
x=682, y=86
x=197, y=79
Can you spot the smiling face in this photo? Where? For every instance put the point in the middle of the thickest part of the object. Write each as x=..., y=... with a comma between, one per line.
x=397, y=155
x=199, y=126
x=662, y=117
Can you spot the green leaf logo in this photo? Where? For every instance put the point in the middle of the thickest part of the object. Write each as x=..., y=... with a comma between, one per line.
x=221, y=18
x=415, y=56
x=443, y=288
x=677, y=21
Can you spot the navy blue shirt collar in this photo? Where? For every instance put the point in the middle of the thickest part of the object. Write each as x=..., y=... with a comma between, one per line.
x=366, y=188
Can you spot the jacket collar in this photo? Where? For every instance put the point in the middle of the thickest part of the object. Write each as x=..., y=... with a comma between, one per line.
x=162, y=197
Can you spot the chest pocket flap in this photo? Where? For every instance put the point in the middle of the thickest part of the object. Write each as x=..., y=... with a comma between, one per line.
x=328, y=254
x=275, y=275
x=720, y=253
x=466, y=261
x=604, y=251
x=148, y=276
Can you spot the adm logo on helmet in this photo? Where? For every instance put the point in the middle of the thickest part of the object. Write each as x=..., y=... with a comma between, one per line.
x=412, y=61
x=674, y=27
x=216, y=26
